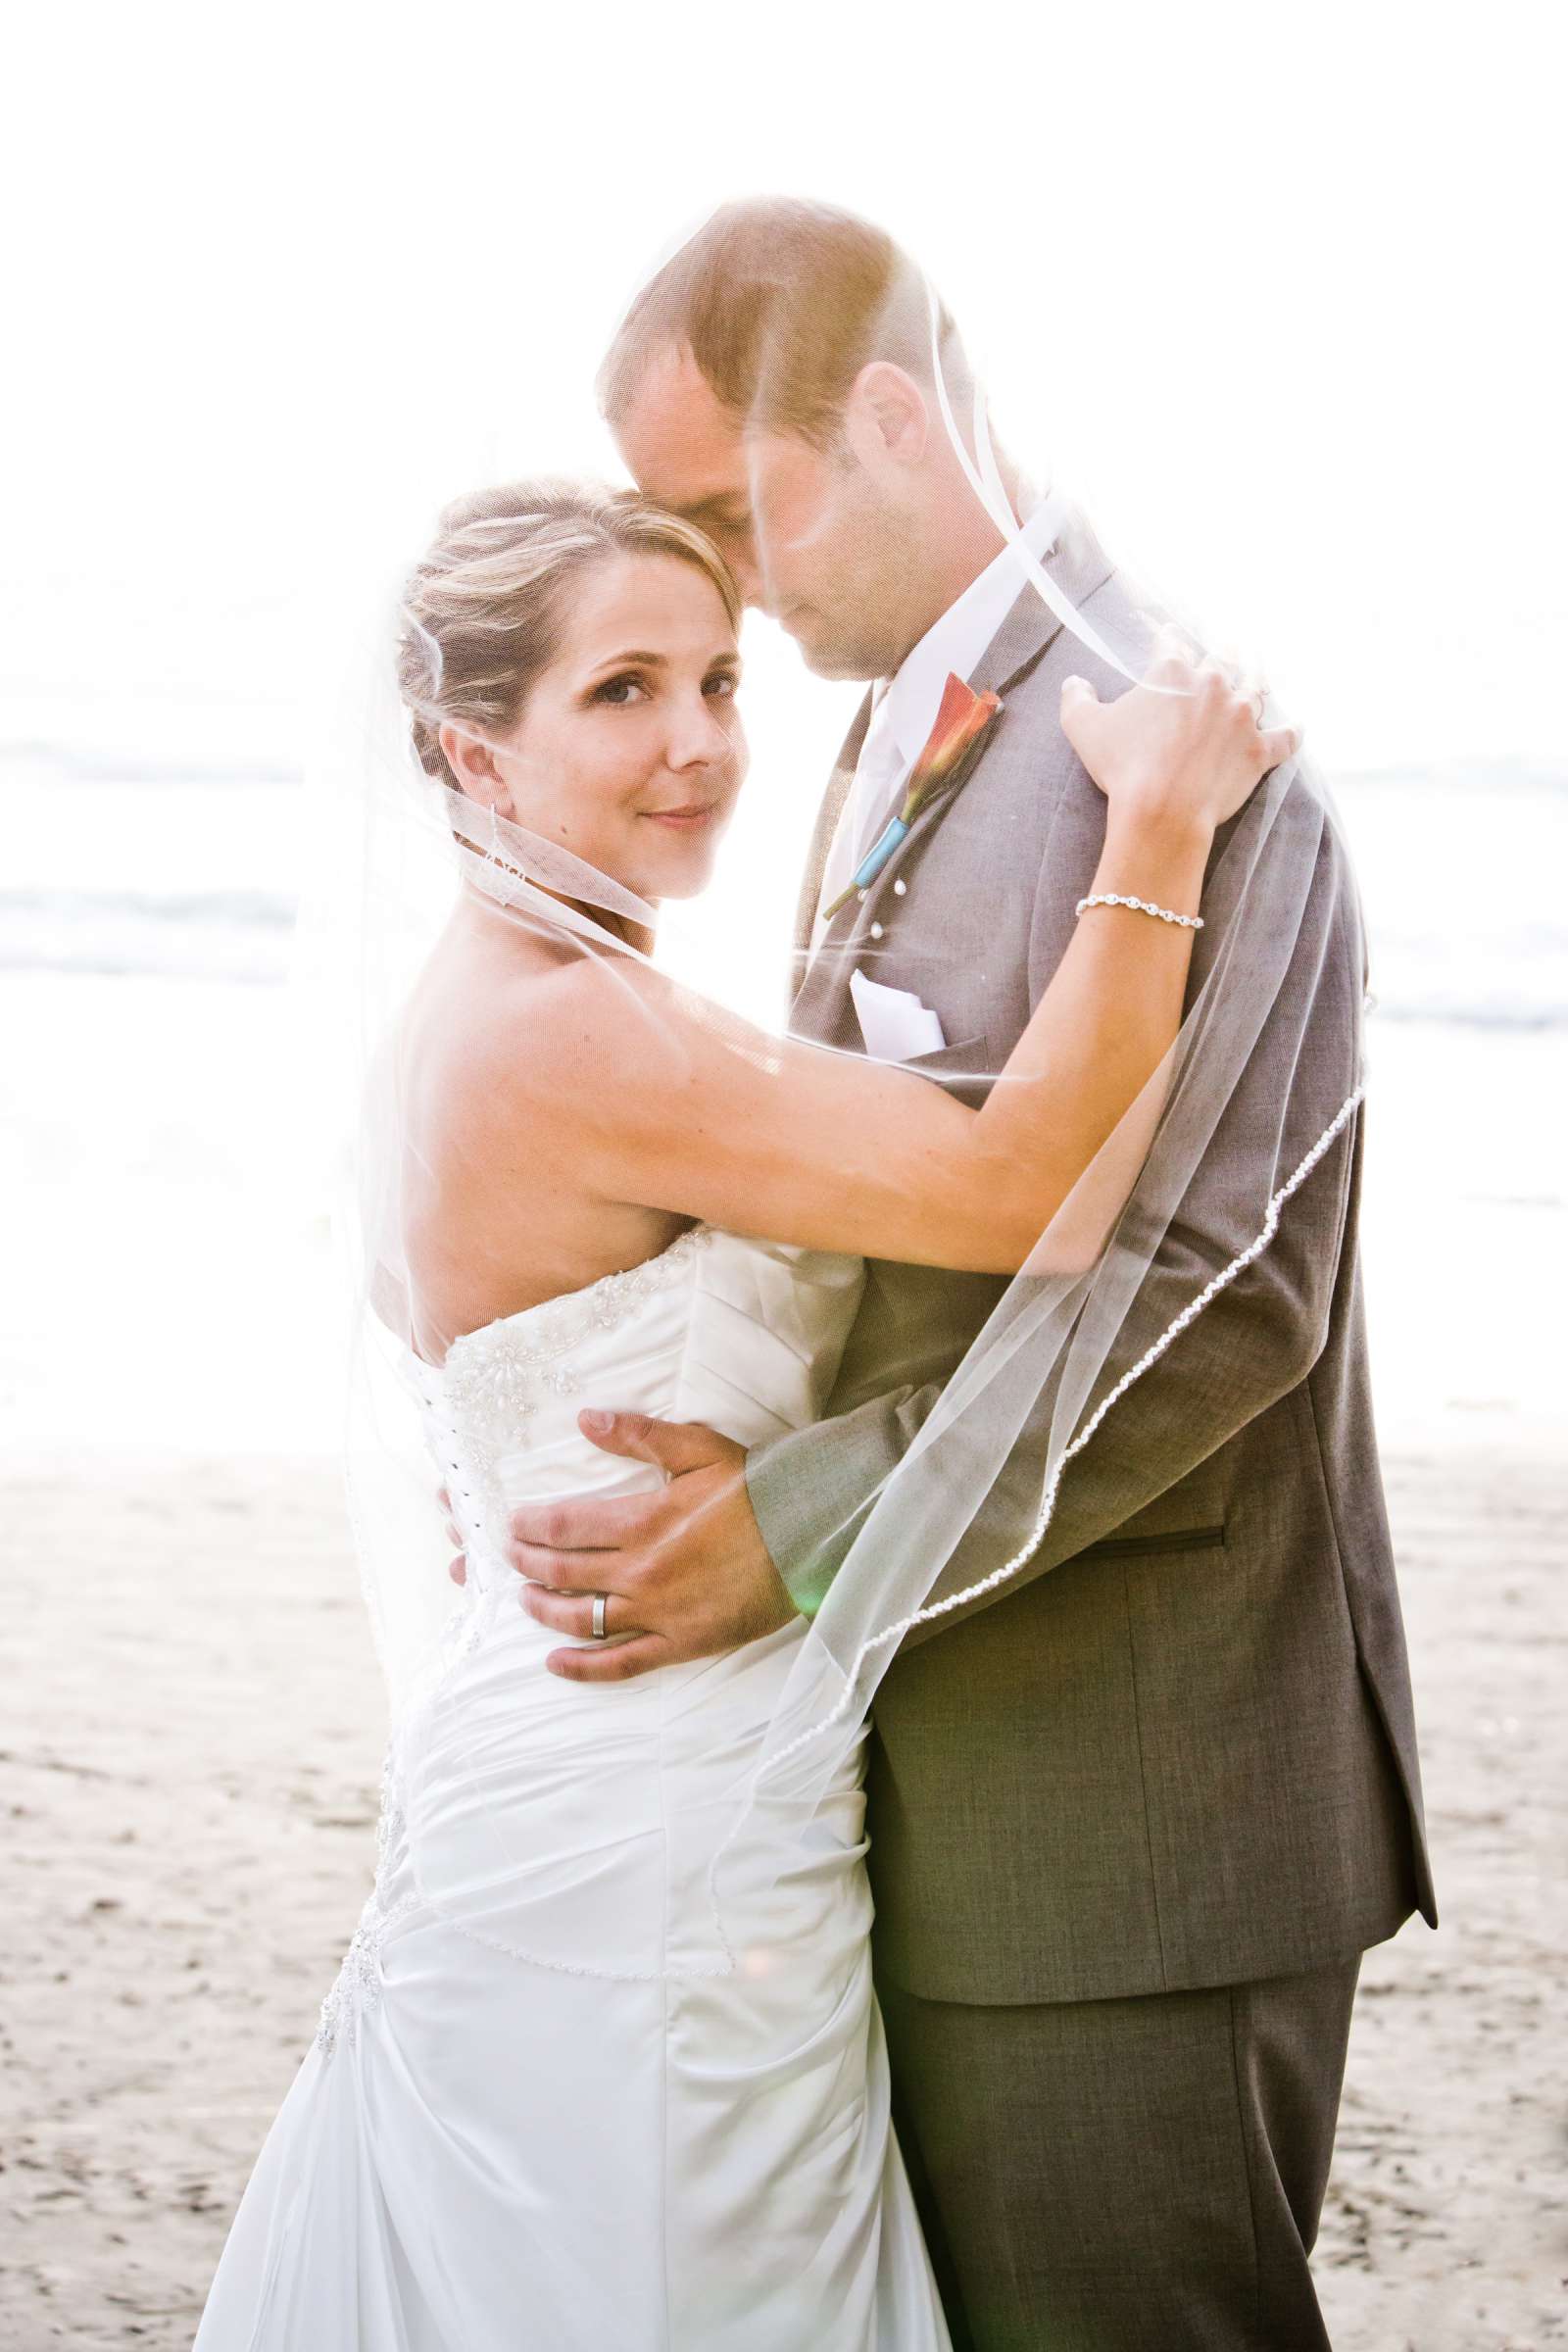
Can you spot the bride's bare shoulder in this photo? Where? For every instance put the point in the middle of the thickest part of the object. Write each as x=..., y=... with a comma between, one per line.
x=567, y=1035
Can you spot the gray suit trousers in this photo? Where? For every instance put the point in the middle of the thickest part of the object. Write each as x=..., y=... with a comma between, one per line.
x=1142, y=2175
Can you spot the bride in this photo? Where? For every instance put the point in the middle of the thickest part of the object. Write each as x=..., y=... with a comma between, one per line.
x=575, y=2087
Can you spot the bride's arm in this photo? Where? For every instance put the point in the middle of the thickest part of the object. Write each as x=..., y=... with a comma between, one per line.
x=665, y=1100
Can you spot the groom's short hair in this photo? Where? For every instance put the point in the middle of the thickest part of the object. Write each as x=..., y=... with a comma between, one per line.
x=781, y=302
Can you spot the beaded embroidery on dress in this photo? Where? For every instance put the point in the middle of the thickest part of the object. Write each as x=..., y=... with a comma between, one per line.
x=495, y=1378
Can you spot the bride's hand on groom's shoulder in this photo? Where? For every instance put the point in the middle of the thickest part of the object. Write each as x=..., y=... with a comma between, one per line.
x=1186, y=742
x=685, y=1570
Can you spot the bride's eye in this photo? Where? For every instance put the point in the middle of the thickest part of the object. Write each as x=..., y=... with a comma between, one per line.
x=724, y=682
x=620, y=690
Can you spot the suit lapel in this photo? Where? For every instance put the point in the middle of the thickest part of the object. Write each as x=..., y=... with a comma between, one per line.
x=1078, y=565
x=827, y=822
x=1079, y=568
x=1019, y=643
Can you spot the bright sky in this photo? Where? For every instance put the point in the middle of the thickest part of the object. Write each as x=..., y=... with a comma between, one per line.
x=1269, y=289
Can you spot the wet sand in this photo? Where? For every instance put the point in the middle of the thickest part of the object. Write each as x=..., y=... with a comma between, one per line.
x=190, y=1751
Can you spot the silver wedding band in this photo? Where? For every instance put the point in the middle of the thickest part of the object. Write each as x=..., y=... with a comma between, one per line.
x=601, y=1603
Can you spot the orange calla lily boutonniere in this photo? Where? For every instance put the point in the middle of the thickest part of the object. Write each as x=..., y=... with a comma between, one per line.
x=952, y=748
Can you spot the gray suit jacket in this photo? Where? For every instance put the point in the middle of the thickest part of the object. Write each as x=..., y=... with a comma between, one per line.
x=1186, y=1755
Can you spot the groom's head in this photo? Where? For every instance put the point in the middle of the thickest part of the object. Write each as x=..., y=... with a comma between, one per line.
x=774, y=384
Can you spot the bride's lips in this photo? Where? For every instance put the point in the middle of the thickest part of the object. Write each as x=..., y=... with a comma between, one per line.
x=685, y=820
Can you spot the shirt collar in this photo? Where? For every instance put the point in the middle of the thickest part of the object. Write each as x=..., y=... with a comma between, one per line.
x=955, y=643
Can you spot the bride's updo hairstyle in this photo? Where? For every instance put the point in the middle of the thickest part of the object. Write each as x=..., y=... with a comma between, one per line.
x=484, y=606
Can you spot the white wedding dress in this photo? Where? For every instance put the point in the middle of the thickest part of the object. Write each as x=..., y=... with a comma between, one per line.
x=559, y=2102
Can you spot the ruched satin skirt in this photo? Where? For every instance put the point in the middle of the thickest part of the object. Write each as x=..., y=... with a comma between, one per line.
x=485, y=2152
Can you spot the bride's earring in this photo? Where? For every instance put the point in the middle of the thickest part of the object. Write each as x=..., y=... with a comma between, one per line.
x=493, y=852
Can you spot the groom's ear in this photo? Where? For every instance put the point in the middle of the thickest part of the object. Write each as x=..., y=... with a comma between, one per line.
x=885, y=417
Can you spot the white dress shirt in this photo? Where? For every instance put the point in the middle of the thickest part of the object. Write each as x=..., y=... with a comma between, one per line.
x=908, y=703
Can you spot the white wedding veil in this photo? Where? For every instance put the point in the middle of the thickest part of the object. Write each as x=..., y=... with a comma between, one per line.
x=1048, y=1377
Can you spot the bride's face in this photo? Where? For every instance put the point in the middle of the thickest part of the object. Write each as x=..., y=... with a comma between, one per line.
x=629, y=750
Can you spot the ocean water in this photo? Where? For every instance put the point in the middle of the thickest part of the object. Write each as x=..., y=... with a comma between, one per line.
x=164, y=1176
x=198, y=875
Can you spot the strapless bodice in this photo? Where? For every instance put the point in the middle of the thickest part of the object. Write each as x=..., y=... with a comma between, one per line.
x=495, y=1755
x=741, y=1334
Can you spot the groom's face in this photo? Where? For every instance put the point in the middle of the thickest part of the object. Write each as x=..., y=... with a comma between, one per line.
x=685, y=450
x=804, y=529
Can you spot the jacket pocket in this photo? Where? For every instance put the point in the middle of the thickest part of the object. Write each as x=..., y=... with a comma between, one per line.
x=1127, y=1547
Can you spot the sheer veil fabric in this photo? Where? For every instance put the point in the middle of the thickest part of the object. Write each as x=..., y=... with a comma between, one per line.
x=1045, y=1379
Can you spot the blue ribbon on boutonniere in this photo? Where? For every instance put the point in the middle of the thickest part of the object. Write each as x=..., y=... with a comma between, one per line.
x=953, y=745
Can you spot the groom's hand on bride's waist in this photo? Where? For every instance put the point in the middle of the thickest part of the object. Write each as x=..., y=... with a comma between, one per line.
x=685, y=1570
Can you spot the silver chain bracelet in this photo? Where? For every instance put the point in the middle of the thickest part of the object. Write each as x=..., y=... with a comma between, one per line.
x=1111, y=898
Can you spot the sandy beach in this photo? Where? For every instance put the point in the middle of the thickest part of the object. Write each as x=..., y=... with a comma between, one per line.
x=191, y=1745
x=191, y=1761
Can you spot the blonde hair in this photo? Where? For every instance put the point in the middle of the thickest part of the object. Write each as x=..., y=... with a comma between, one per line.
x=484, y=606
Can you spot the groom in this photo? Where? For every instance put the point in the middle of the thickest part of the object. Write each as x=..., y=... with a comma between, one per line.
x=1134, y=1820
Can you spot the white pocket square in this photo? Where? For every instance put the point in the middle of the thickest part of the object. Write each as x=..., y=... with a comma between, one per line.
x=894, y=1022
